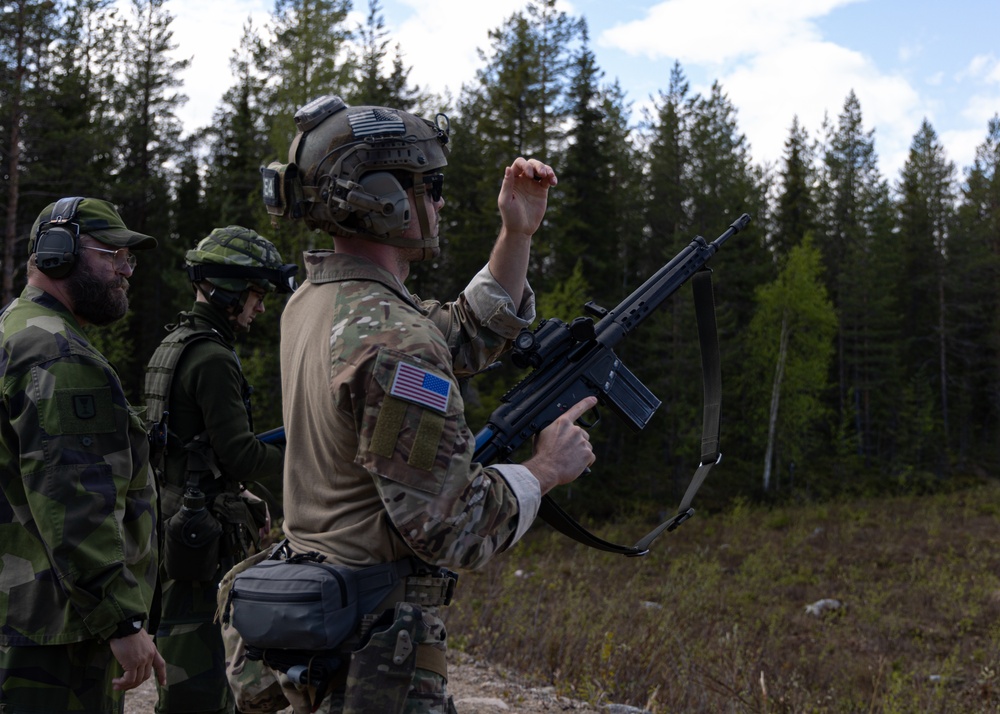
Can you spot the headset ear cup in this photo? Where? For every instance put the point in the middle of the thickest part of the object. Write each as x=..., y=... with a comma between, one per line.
x=56, y=250
x=395, y=216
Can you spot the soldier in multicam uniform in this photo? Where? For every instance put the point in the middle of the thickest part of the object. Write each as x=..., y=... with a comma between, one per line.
x=78, y=543
x=379, y=462
x=198, y=403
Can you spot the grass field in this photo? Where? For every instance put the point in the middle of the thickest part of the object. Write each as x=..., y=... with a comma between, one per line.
x=715, y=618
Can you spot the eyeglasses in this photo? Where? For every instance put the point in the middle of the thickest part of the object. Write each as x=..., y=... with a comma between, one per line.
x=122, y=257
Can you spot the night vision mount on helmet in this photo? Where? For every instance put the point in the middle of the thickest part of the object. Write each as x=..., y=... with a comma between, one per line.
x=234, y=259
x=350, y=167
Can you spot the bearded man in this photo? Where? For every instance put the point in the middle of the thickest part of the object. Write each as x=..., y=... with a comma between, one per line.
x=78, y=541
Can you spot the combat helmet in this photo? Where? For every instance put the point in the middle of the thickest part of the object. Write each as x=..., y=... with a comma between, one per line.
x=350, y=167
x=232, y=259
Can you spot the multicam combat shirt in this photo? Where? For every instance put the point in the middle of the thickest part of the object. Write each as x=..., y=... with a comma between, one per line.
x=77, y=497
x=378, y=465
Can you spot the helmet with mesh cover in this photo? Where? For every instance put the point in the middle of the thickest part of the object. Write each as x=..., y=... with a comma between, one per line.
x=234, y=258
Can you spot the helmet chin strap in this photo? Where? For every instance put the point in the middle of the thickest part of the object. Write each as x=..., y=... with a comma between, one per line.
x=428, y=245
x=229, y=301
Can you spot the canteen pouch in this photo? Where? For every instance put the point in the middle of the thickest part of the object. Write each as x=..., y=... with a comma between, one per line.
x=191, y=545
x=295, y=604
x=381, y=672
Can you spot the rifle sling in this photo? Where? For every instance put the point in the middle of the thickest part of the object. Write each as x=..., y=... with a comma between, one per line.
x=704, y=302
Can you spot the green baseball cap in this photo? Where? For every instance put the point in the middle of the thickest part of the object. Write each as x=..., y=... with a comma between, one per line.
x=100, y=220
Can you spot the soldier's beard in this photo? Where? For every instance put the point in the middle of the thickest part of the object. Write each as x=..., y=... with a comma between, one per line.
x=97, y=301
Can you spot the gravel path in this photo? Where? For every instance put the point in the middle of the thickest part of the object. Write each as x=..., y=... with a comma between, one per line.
x=477, y=688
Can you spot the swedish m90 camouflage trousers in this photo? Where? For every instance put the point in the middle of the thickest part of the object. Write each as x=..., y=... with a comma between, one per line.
x=60, y=678
x=191, y=644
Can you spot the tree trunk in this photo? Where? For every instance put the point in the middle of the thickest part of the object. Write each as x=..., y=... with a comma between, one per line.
x=13, y=168
x=772, y=422
x=943, y=357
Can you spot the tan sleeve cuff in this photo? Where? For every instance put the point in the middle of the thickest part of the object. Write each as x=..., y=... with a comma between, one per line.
x=495, y=308
x=527, y=492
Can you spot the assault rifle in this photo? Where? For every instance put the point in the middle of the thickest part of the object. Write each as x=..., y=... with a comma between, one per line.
x=571, y=362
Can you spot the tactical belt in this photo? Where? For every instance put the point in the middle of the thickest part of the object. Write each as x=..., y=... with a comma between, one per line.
x=429, y=590
x=414, y=585
x=423, y=584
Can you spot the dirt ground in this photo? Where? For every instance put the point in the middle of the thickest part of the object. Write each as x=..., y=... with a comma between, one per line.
x=477, y=688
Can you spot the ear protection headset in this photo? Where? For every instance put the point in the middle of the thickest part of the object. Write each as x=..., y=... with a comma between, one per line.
x=57, y=244
x=377, y=204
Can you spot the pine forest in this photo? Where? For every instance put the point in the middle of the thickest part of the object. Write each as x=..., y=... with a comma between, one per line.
x=858, y=314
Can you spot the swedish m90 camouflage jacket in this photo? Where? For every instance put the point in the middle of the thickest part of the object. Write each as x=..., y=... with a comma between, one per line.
x=78, y=548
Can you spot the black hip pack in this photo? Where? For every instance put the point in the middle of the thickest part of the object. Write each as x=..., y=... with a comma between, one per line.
x=301, y=602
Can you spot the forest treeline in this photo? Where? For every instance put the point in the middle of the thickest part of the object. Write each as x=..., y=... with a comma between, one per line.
x=859, y=314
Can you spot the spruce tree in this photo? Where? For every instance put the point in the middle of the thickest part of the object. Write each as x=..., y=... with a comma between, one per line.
x=308, y=57
x=974, y=280
x=371, y=83
x=597, y=217
x=926, y=207
x=147, y=102
x=859, y=253
x=29, y=28
x=515, y=107
x=237, y=142
x=795, y=212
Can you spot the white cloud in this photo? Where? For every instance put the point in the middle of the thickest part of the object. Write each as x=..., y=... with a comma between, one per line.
x=774, y=65
x=982, y=67
x=961, y=145
x=777, y=85
x=980, y=108
x=441, y=38
x=717, y=31
x=207, y=33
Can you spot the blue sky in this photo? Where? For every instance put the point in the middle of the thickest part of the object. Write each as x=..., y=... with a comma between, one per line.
x=906, y=60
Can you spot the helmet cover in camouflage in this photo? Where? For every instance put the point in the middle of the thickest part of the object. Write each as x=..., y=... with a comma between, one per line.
x=236, y=246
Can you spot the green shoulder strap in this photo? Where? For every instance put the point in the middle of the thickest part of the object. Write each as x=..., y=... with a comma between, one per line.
x=159, y=377
x=163, y=363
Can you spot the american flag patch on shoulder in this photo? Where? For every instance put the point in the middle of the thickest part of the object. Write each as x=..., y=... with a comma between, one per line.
x=376, y=122
x=419, y=386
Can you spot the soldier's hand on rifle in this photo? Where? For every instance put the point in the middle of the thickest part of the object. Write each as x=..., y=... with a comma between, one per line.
x=562, y=449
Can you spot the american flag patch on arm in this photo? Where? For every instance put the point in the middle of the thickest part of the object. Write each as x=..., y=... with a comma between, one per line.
x=419, y=386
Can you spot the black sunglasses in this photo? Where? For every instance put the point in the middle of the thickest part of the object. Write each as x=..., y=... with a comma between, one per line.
x=434, y=181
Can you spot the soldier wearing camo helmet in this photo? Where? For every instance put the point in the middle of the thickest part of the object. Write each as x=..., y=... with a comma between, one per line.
x=379, y=464
x=78, y=542
x=199, y=412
